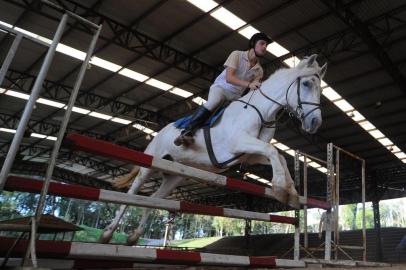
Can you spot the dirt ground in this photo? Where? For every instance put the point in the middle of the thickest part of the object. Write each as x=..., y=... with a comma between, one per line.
x=393, y=267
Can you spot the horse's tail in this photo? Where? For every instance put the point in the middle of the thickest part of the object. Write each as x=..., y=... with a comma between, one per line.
x=126, y=180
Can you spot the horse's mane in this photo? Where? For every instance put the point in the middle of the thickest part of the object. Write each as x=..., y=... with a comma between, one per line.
x=284, y=76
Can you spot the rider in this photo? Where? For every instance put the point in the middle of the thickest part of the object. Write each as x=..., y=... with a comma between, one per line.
x=243, y=70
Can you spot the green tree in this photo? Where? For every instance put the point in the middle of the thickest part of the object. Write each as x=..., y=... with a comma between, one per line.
x=348, y=216
x=369, y=217
x=8, y=204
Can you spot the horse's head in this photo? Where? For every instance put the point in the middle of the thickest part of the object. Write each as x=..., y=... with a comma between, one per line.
x=303, y=95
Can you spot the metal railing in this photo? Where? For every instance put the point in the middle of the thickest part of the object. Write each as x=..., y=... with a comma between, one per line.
x=29, y=107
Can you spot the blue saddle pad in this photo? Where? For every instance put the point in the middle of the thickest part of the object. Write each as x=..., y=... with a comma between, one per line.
x=184, y=122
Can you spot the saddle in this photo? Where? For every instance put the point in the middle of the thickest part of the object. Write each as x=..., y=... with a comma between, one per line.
x=183, y=122
x=211, y=122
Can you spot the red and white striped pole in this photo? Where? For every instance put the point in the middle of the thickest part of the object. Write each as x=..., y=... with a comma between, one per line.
x=15, y=183
x=103, y=148
x=117, y=255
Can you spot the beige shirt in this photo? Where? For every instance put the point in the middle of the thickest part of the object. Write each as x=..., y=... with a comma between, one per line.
x=240, y=62
x=322, y=224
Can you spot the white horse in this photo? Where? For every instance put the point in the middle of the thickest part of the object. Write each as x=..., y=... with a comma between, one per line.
x=240, y=131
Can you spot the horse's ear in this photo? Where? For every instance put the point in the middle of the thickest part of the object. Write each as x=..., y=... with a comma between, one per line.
x=302, y=63
x=323, y=70
x=311, y=60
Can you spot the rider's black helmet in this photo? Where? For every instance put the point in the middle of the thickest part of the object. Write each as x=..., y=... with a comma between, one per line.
x=259, y=36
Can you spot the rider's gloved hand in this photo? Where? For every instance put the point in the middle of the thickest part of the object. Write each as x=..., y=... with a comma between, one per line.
x=254, y=85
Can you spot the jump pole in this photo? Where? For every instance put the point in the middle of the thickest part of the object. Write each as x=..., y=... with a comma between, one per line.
x=103, y=148
x=15, y=183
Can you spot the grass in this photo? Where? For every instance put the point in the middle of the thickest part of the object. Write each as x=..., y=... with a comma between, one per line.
x=194, y=243
x=90, y=234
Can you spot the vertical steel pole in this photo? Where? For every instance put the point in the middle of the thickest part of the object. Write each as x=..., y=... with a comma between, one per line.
x=296, y=247
x=330, y=180
x=306, y=238
x=336, y=203
x=29, y=107
x=364, y=233
x=64, y=124
x=58, y=142
x=32, y=243
x=166, y=234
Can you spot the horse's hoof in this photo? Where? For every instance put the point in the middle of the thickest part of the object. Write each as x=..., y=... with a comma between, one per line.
x=132, y=242
x=133, y=239
x=293, y=201
x=280, y=194
x=105, y=237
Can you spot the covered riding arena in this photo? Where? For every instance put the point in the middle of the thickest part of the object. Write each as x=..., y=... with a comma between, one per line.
x=85, y=86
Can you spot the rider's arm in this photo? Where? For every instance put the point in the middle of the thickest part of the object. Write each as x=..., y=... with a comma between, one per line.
x=320, y=228
x=232, y=64
x=233, y=79
x=321, y=224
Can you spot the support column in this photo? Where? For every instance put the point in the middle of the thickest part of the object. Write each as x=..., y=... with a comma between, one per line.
x=336, y=205
x=329, y=198
x=247, y=235
x=296, y=245
x=364, y=231
x=305, y=234
x=377, y=226
x=247, y=229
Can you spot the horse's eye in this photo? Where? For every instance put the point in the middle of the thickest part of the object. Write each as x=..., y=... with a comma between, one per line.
x=307, y=84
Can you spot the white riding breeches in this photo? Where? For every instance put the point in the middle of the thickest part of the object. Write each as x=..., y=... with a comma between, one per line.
x=218, y=95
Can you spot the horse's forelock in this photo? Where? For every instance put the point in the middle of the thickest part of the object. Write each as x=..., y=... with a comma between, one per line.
x=309, y=71
x=284, y=76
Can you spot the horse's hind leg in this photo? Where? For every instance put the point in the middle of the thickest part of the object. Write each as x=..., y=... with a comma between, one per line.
x=143, y=175
x=169, y=183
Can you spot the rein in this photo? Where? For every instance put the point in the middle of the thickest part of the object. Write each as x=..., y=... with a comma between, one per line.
x=298, y=112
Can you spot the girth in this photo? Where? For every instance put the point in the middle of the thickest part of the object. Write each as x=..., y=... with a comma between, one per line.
x=212, y=156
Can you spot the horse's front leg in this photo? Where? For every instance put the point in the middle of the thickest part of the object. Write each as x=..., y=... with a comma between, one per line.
x=250, y=145
x=142, y=176
x=169, y=183
x=290, y=185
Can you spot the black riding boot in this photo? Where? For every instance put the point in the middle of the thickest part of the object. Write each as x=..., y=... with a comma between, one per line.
x=199, y=117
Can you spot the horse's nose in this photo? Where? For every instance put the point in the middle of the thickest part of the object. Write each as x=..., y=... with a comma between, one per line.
x=316, y=122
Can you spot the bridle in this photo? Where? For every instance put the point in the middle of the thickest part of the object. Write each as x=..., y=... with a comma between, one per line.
x=297, y=112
